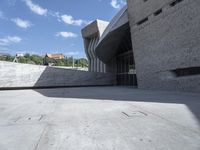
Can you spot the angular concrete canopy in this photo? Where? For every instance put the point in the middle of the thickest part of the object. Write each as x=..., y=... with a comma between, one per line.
x=106, y=49
x=95, y=27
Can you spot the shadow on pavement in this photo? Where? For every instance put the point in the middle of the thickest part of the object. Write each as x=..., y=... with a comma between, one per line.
x=191, y=100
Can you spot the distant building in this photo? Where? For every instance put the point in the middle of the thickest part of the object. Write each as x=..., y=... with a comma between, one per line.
x=55, y=56
x=19, y=55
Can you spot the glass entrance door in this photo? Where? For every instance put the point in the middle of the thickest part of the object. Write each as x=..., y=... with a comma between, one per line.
x=126, y=69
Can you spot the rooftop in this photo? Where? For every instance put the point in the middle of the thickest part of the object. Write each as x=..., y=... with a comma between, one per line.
x=55, y=56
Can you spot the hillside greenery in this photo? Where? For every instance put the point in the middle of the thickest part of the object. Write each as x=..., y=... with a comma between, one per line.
x=39, y=60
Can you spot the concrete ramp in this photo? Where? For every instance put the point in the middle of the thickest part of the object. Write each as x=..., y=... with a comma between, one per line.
x=15, y=75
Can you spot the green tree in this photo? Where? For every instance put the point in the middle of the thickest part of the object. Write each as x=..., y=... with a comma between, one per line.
x=22, y=60
x=83, y=62
x=60, y=62
x=7, y=58
x=38, y=60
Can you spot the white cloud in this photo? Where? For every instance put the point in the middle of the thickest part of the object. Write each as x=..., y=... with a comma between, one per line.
x=10, y=40
x=36, y=8
x=68, y=19
x=66, y=34
x=117, y=3
x=22, y=23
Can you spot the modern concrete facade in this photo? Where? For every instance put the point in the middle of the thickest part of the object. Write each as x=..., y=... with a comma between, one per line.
x=91, y=35
x=165, y=43
x=115, y=49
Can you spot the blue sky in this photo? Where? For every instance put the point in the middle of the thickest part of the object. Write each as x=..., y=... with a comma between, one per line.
x=50, y=26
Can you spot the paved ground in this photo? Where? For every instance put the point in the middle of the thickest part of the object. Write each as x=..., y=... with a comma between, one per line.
x=99, y=118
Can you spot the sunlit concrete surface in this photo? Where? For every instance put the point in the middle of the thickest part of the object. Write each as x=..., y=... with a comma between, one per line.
x=99, y=118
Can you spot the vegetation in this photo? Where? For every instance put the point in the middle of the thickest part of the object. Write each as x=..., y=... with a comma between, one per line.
x=7, y=58
x=39, y=60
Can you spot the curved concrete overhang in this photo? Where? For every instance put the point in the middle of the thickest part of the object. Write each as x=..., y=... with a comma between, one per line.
x=109, y=42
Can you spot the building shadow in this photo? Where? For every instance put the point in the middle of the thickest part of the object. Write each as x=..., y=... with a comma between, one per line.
x=57, y=77
x=118, y=93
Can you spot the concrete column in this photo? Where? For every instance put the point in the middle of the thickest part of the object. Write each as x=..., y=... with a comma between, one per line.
x=92, y=50
x=95, y=60
x=95, y=65
x=101, y=67
x=98, y=66
x=90, y=55
x=92, y=60
x=104, y=68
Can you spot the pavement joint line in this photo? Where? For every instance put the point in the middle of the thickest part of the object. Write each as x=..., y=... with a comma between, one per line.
x=18, y=119
x=40, y=138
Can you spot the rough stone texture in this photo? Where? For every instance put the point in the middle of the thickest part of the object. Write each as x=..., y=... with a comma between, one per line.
x=165, y=42
x=99, y=118
x=144, y=9
x=91, y=35
x=25, y=75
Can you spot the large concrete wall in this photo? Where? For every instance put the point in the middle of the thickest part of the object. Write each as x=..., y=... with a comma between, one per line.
x=25, y=75
x=164, y=42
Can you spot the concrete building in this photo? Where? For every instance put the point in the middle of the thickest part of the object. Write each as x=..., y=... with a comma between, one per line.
x=91, y=35
x=153, y=44
x=55, y=56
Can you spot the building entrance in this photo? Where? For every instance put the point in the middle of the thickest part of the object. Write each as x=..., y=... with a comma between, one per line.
x=126, y=74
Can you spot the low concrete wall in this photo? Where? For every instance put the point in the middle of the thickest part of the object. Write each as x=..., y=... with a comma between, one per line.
x=14, y=75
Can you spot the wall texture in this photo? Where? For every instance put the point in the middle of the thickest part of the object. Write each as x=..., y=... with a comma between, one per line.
x=25, y=75
x=166, y=40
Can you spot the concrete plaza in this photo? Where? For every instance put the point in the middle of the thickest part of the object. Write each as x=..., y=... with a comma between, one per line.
x=99, y=118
